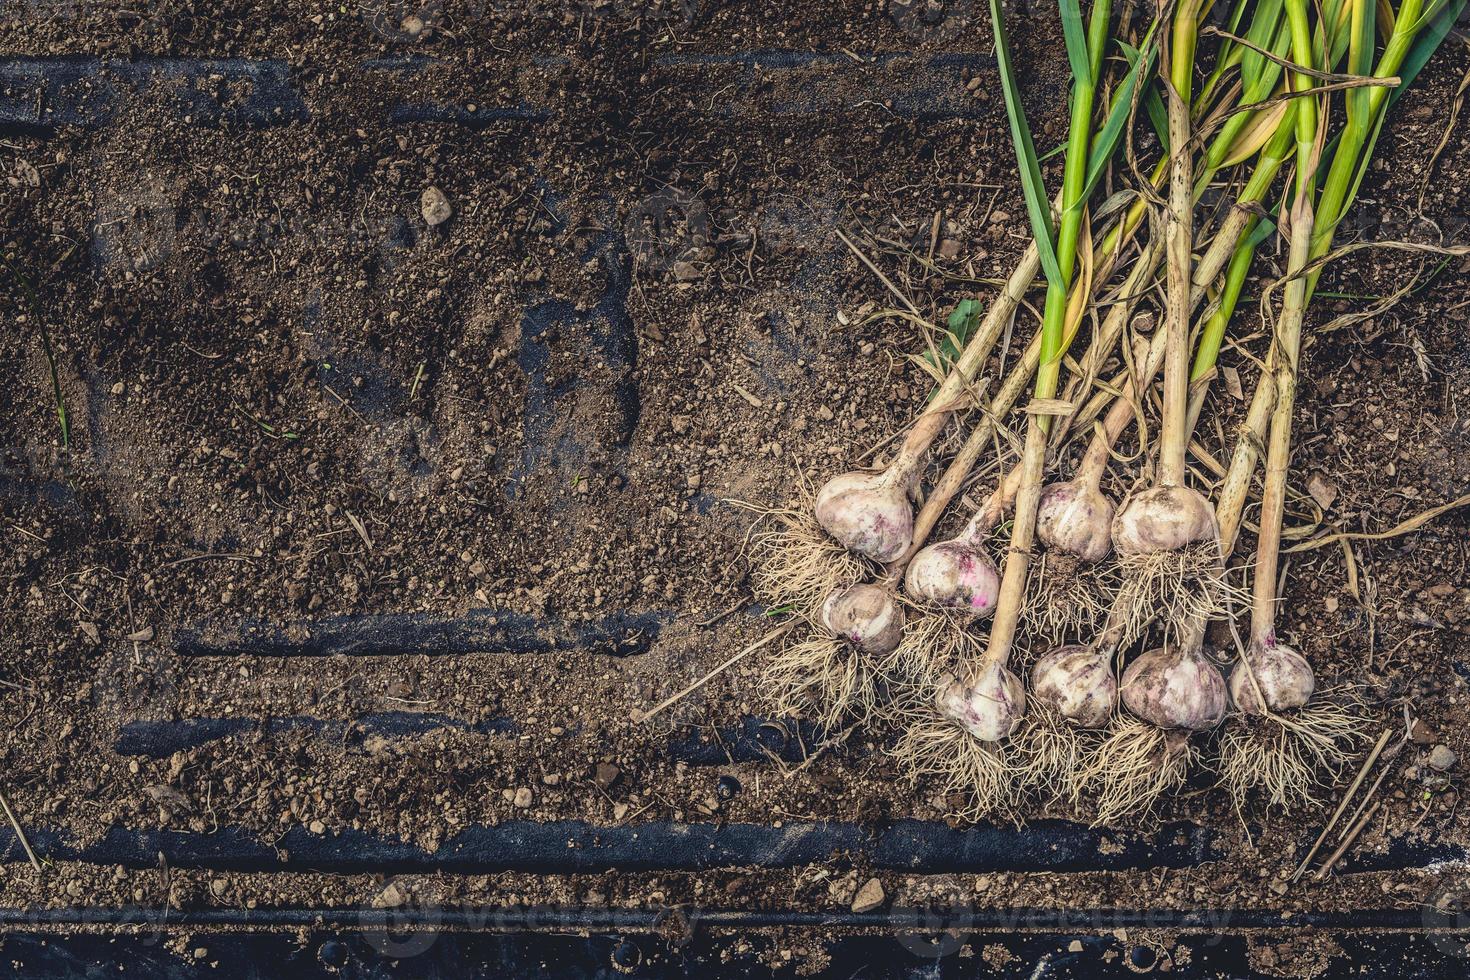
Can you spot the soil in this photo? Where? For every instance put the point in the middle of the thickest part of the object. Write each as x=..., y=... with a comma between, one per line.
x=289, y=398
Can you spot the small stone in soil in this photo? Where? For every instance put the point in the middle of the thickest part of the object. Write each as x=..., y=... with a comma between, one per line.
x=869, y=897
x=523, y=797
x=1442, y=757
x=607, y=775
x=390, y=897
x=435, y=206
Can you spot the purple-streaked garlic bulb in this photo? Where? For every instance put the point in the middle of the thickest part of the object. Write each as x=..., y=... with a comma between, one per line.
x=867, y=616
x=990, y=706
x=955, y=574
x=1282, y=677
x=1076, y=517
x=1077, y=682
x=869, y=513
x=1175, y=687
x=1164, y=518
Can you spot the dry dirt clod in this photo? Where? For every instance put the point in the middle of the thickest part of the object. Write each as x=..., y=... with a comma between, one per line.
x=1442, y=757
x=523, y=797
x=869, y=897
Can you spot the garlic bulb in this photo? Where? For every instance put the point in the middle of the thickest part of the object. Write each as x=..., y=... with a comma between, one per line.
x=1075, y=517
x=1282, y=676
x=956, y=575
x=1077, y=682
x=869, y=513
x=990, y=707
x=1174, y=687
x=867, y=616
x=1164, y=518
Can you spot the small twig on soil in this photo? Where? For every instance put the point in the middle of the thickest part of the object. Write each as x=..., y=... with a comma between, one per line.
x=1373, y=790
x=20, y=833
x=719, y=616
x=357, y=526
x=900, y=294
x=1403, y=527
x=1346, y=798
x=33, y=536
x=772, y=636
x=211, y=555
x=1348, y=841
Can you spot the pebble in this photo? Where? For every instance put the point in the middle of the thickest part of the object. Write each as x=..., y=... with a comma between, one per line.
x=607, y=775
x=1442, y=757
x=390, y=897
x=868, y=897
x=523, y=797
x=435, y=206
